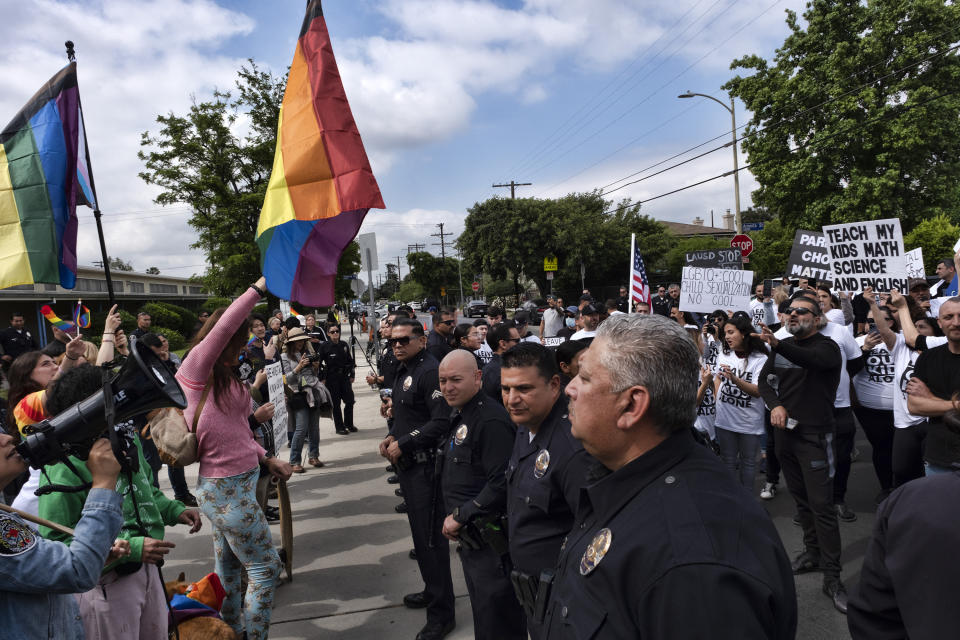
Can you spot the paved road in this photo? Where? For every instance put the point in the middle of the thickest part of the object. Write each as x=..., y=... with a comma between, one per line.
x=350, y=556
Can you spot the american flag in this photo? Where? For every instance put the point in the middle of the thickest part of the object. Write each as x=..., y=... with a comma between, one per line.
x=639, y=286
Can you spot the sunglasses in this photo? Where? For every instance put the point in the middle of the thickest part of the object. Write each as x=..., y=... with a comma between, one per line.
x=404, y=341
x=447, y=322
x=510, y=340
x=333, y=331
x=800, y=311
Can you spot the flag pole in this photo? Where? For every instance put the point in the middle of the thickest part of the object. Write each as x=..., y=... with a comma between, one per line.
x=633, y=242
x=72, y=57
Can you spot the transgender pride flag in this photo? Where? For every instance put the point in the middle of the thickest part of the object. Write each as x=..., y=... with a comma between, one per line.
x=44, y=174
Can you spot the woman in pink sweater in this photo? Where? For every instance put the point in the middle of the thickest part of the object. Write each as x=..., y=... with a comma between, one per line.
x=230, y=462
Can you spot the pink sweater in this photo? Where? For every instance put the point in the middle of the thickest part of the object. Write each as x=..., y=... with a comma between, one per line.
x=226, y=444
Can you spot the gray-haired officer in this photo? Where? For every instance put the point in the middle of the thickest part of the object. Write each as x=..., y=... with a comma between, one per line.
x=546, y=470
x=474, y=459
x=665, y=544
x=420, y=423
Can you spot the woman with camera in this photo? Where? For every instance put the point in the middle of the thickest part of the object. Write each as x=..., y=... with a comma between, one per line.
x=230, y=461
x=301, y=366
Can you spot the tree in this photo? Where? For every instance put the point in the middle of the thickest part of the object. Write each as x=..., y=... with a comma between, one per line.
x=433, y=273
x=349, y=265
x=198, y=160
x=856, y=116
x=152, y=271
x=936, y=237
x=119, y=264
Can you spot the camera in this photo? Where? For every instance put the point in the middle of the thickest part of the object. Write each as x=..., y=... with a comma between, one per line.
x=141, y=385
x=313, y=357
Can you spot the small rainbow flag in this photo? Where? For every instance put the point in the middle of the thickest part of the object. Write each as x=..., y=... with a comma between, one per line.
x=252, y=339
x=81, y=316
x=321, y=186
x=294, y=312
x=52, y=318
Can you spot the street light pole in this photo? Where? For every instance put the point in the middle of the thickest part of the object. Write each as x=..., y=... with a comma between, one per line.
x=736, y=161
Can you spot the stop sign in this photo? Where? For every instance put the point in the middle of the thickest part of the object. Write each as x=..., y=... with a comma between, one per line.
x=476, y=286
x=744, y=243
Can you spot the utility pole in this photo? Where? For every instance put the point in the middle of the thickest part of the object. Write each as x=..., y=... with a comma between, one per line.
x=513, y=187
x=443, y=252
x=399, y=279
x=413, y=248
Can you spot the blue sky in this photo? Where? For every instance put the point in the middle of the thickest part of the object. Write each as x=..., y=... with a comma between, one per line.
x=450, y=96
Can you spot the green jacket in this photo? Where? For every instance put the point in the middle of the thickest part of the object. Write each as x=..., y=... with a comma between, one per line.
x=156, y=510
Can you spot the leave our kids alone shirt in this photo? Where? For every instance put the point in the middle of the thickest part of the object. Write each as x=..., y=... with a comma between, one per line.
x=737, y=410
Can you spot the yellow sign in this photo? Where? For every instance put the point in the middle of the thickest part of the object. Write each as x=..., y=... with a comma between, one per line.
x=443, y=291
x=550, y=264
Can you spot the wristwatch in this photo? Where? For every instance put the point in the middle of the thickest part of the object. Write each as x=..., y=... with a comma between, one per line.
x=456, y=514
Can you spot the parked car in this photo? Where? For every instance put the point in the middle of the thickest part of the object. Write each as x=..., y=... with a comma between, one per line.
x=416, y=306
x=476, y=308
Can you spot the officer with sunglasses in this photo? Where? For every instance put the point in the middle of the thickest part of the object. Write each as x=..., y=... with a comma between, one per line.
x=339, y=374
x=440, y=340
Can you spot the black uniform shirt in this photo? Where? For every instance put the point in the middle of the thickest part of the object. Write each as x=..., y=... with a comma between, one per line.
x=388, y=368
x=421, y=417
x=336, y=358
x=16, y=342
x=475, y=458
x=491, y=378
x=438, y=345
x=540, y=509
x=690, y=555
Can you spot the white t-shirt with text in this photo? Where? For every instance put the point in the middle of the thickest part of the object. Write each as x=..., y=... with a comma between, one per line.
x=904, y=358
x=874, y=383
x=737, y=410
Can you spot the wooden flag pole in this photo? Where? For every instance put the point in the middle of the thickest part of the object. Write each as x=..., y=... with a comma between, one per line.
x=37, y=520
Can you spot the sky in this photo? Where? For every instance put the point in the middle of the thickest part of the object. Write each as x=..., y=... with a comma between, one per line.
x=450, y=97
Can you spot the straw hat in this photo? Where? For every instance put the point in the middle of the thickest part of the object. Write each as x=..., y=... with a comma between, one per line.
x=296, y=334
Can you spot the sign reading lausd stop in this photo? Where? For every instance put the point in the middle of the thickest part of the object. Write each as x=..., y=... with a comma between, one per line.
x=744, y=243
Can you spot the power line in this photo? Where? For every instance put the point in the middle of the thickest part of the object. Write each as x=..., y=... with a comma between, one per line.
x=513, y=188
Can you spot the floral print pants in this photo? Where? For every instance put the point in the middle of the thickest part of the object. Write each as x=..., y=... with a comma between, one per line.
x=242, y=542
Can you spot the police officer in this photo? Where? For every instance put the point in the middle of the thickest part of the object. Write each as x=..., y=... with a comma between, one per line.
x=500, y=338
x=387, y=367
x=339, y=370
x=15, y=340
x=440, y=340
x=665, y=544
x=420, y=423
x=545, y=473
x=474, y=459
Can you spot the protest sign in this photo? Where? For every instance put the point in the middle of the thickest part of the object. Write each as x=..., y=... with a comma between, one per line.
x=915, y=263
x=554, y=342
x=706, y=289
x=867, y=254
x=715, y=258
x=276, y=394
x=809, y=257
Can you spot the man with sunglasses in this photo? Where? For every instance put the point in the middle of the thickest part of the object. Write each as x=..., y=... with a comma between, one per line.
x=439, y=341
x=799, y=385
x=421, y=420
x=500, y=338
x=339, y=370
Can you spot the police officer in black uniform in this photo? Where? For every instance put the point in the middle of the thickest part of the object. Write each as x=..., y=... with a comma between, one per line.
x=546, y=471
x=665, y=544
x=440, y=340
x=473, y=460
x=500, y=338
x=420, y=424
x=15, y=340
x=339, y=372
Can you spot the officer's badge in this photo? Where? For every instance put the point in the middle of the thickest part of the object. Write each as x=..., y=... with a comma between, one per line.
x=408, y=383
x=542, y=463
x=15, y=537
x=595, y=552
x=460, y=435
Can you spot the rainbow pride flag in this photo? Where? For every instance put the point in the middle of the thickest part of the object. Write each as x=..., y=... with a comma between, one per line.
x=321, y=186
x=81, y=315
x=55, y=320
x=44, y=175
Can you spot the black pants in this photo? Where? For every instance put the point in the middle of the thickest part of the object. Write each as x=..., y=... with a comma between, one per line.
x=434, y=562
x=341, y=390
x=878, y=425
x=772, y=470
x=808, y=464
x=496, y=613
x=908, y=453
x=178, y=480
x=846, y=434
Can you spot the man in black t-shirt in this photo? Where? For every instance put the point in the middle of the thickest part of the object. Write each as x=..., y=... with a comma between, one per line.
x=936, y=378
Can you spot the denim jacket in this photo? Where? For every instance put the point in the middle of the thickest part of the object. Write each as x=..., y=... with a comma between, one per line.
x=37, y=576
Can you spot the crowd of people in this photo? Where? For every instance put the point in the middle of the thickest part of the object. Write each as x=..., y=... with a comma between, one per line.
x=596, y=469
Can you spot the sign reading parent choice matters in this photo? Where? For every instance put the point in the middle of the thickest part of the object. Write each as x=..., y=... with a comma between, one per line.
x=705, y=289
x=809, y=257
x=276, y=394
x=867, y=254
x=715, y=258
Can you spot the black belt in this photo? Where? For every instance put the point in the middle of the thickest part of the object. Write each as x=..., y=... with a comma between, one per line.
x=409, y=460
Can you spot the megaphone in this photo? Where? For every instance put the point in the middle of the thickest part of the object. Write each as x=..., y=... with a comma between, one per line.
x=143, y=383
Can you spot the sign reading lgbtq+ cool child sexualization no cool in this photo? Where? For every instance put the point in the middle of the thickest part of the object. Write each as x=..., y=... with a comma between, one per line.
x=704, y=289
x=867, y=254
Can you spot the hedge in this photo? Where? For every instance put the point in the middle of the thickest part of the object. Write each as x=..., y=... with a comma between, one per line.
x=212, y=304
x=174, y=337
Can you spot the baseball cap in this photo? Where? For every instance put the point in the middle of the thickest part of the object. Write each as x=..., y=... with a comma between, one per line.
x=572, y=309
x=588, y=309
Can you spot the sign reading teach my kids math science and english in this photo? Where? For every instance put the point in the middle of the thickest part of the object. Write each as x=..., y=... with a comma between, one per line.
x=704, y=289
x=867, y=254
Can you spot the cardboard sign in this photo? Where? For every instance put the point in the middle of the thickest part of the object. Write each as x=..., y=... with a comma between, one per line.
x=277, y=397
x=915, y=263
x=715, y=258
x=705, y=289
x=867, y=254
x=809, y=257
x=554, y=341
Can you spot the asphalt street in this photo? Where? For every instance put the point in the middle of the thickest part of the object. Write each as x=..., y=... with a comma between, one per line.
x=351, y=568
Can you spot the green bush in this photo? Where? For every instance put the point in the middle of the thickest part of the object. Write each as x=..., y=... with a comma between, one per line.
x=263, y=309
x=174, y=337
x=171, y=315
x=128, y=322
x=212, y=304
